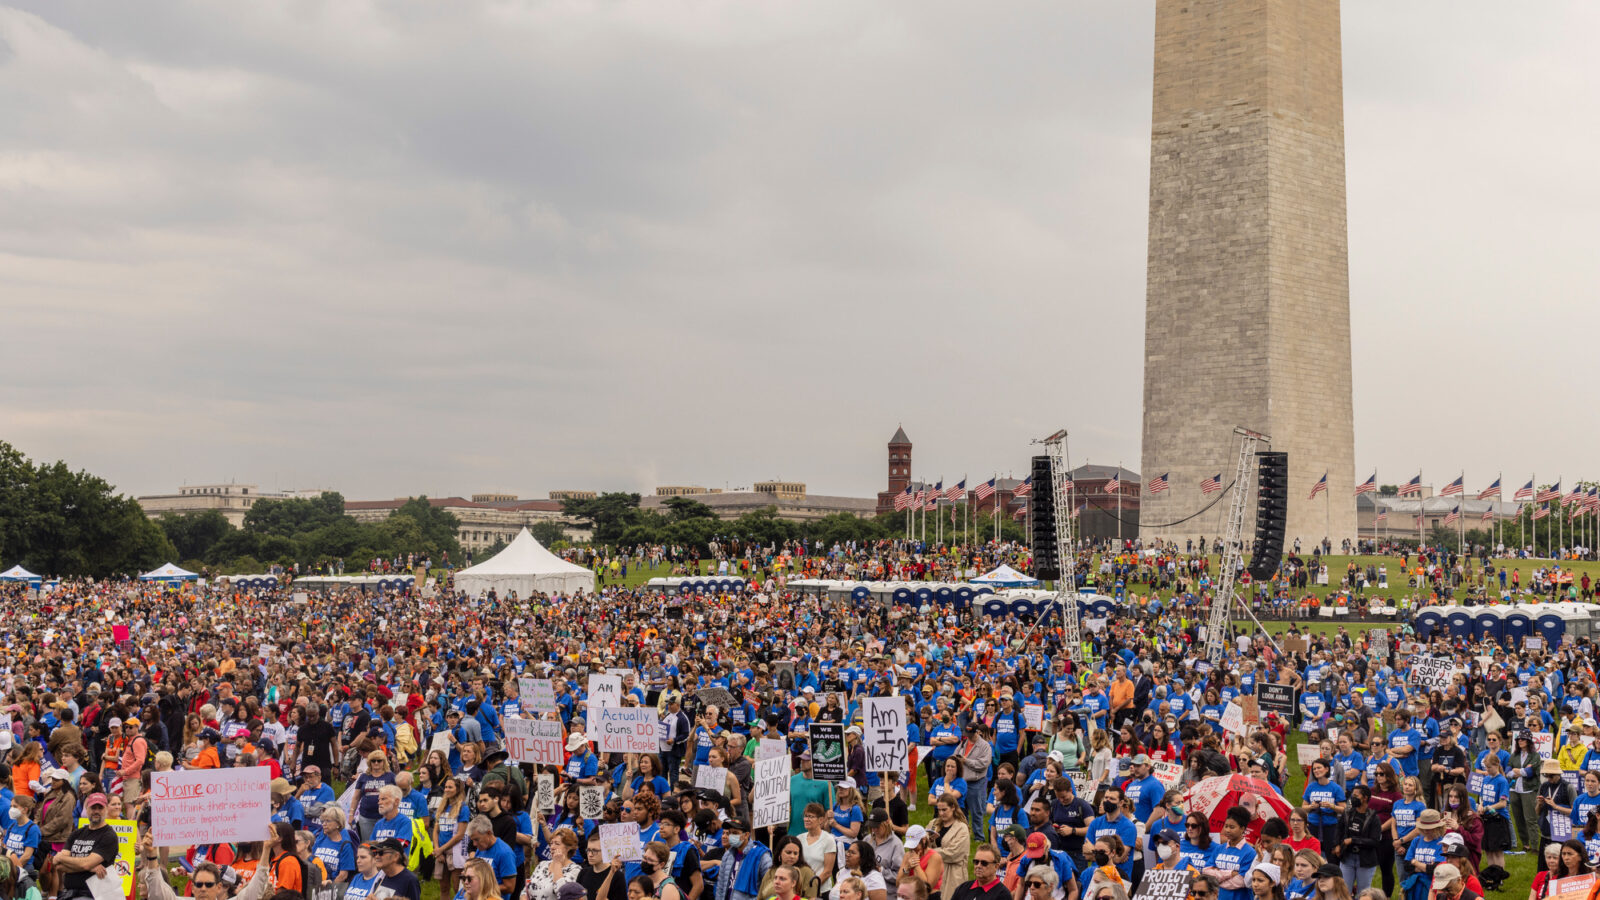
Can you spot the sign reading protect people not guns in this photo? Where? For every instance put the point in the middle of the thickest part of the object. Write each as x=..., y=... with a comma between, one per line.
x=210, y=806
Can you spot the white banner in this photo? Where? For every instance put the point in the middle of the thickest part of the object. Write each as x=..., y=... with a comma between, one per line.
x=536, y=741
x=770, y=797
x=620, y=840
x=626, y=729
x=604, y=690
x=205, y=806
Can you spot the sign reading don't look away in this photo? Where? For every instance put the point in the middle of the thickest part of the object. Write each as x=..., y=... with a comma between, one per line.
x=210, y=806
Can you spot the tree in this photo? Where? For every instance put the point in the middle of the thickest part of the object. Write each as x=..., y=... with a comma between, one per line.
x=295, y=515
x=608, y=515
x=196, y=533
x=546, y=533
x=1388, y=490
x=438, y=526
x=682, y=508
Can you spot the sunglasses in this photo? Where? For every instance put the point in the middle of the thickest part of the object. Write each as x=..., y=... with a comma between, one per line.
x=1034, y=882
x=204, y=884
x=468, y=879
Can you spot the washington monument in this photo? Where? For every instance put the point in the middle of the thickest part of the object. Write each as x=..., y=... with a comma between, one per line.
x=1247, y=309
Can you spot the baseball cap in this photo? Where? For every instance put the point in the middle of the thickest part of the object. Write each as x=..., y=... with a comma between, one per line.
x=1141, y=760
x=95, y=800
x=387, y=845
x=914, y=836
x=1443, y=875
x=1038, y=846
x=847, y=783
x=571, y=890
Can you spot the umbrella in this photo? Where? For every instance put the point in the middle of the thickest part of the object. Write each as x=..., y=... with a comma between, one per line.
x=1213, y=797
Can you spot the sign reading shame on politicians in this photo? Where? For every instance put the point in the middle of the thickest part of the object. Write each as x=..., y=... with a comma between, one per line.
x=210, y=806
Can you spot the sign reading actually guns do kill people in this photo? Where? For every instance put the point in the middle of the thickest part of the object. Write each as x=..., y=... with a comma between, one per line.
x=886, y=743
x=628, y=729
x=210, y=806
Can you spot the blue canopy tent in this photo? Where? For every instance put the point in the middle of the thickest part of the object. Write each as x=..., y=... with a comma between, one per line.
x=169, y=573
x=1006, y=577
x=18, y=573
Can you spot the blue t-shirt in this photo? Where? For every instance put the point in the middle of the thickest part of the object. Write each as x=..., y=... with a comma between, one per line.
x=1425, y=851
x=20, y=837
x=1581, y=806
x=1146, y=794
x=1316, y=793
x=361, y=888
x=1405, y=814
x=336, y=856
x=1235, y=859
x=500, y=858
x=585, y=766
x=1194, y=856
x=399, y=828
x=1407, y=738
x=1123, y=828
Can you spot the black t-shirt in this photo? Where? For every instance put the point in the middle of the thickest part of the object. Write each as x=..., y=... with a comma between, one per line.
x=317, y=739
x=84, y=841
x=404, y=885
x=591, y=879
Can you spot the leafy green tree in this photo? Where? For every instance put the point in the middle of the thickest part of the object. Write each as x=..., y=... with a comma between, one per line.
x=608, y=515
x=438, y=528
x=196, y=533
x=682, y=508
x=59, y=522
x=294, y=515
x=547, y=533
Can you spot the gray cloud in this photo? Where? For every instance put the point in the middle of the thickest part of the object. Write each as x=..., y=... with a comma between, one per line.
x=452, y=247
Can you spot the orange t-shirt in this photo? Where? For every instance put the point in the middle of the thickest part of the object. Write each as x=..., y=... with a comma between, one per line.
x=21, y=775
x=207, y=759
x=287, y=877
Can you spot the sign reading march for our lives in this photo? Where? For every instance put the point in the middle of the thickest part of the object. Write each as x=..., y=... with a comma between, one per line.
x=534, y=741
x=886, y=743
x=1432, y=671
x=604, y=690
x=627, y=729
x=210, y=806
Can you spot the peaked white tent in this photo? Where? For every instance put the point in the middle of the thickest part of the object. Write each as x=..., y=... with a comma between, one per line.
x=168, y=572
x=524, y=566
x=18, y=573
x=1005, y=576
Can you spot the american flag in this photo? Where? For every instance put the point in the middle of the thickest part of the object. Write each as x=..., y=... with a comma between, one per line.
x=1553, y=492
x=1112, y=486
x=1382, y=515
x=1319, y=487
x=1210, y=484
x=1574, y=498
x=1592, y=501
x=1454, y=487
x=1454, y=516
x=1023, y=489
x=957, y=492
x=984, y=491
x=1020, y=514
x=1525, y=492
x=1541, y=512
x=1492, y=490
x=933, y=495
x=1414, y=486
x=1078, y=509
x=1488, y=514
x=1158, y=483
x=1369, y=486
x=902, y=500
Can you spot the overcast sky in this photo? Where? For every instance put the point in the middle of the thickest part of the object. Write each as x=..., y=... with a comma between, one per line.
x=391, y=248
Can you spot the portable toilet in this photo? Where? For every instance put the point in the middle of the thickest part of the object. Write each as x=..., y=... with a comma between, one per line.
x=1459, y=623
x=1101, y=607
x=1486, y=624
x=995, y=605
x=924, y=595
x=1022, y=606
x=903, y=596
x=962, y=596
x=1430, y=619
x=1549, y=623
x=1516, y=623
x=860, y=592
x=945, y=594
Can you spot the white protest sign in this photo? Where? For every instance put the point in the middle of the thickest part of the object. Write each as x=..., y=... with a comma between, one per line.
x=441, y=741
x=1233, y=718
x=539, y=696
x=1306, y=754
x=591, y=801
x=544, y=793
x=886, y=744
x=711, y=779
x=620, y=840
x=604, y=690
x=535, y=741
x=618, y=671
x=1169, y=774
x=1083, y=784
x=206, y=806
x=1033, y=716
x=770, y=804
x=1432, y=671
x=1545, y=743
x=626, y=729
x=771, y=747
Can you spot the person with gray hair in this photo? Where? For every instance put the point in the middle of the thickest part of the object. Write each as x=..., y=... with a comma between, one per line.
x=391, y=823
x=1041, y=883
x=497, y=853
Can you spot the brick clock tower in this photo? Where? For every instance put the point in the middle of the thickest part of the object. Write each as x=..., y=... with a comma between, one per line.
x=899, y=470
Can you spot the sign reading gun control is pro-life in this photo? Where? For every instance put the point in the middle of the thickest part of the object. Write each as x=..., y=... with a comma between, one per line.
x=210, y=806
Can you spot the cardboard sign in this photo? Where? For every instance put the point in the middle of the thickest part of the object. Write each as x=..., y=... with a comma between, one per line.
x=770, y=795
x=535, y=741
x=887, y=746
x=604, y=690
x=210, y=806
x=1233, y=718
x=1278, y=698
x=620, y=840
x=1169, y=774
x=1297, y=643
x=1252, y=711
x=827, y=751
x=771, y=747
x=591, y=801
x=711, y=779
x=441, y=741
x=1164, y=884
x=1306, y=754
x=1033, y=716
x=1545, y=743
x=544, y=793
x=627, y=729
x=1433, y=671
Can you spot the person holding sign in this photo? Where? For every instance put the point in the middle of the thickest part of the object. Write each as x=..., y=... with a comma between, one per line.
x=90, y=849
x=206, y=881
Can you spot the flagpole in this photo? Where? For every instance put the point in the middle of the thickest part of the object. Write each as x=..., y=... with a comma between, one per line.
x=1119, y=506
x=1461, y=520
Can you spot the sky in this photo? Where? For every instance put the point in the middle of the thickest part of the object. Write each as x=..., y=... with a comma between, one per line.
x=412, y=247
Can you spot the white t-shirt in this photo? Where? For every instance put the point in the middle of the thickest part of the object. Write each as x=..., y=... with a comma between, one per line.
x=815, y=852
x=873, y=880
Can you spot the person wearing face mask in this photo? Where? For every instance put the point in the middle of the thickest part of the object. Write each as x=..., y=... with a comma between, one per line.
x=22, y=836
x=743, y=865
x=1112, y=821
x=1168, y=858
x=655, y=863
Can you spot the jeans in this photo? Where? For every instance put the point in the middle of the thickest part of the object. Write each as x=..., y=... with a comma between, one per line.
x=364, y=827
x=1358, y=878
x=977, y=808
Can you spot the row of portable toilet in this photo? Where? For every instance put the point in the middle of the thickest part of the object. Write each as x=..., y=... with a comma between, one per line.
x=251, y=582
x=1509, y=625
x=1020, y=602
x=696, y=584
x=365, y=583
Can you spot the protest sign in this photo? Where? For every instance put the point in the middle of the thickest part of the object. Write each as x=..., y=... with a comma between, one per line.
x=1545, y=743
x=604, y=690
x=620, y=840
x=627, y=729
x=539, y=696
x=885, y=739
x=770, y=747
x=210, y=806
x=770, y=803
x=1033, y=716
x=441, y=741
x=544, y=793
x=1252, y=710
x=1297, y=643
x=711, y=778
x=1169, y=774
x=591, y=801
x=1575, y=887
x=1475, y=784
x=1233, y=718
x=1164, y=884
x=1432, y=671
x=1560, y=826
x=1278, y=698
x=1083, y=784
x=535, y=741
x=827, y=751
x=1307, y=754
x=1533, y=643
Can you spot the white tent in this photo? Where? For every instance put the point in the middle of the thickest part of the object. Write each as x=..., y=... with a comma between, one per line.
x=18, y=573
x=1005, y=576
x=526, y=567
x=168, y=572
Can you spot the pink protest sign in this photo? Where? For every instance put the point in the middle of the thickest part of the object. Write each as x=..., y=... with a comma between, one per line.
x=119, y=633
x=210, y=806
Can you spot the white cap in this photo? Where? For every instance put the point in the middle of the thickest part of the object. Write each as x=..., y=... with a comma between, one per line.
x=847, y=783
x=914, y=836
